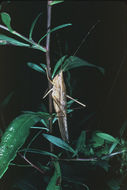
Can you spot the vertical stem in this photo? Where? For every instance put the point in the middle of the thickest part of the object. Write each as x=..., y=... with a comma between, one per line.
x=48, y=63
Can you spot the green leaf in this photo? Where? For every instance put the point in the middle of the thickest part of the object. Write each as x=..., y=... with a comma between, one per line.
x=41, y=128
x=8, y=40
x=35, y=67
x=54, y=29
x=43, y=66
x=69, y=110
x=107, y=137
x=81, y=142
x=54, y=120
x=114, y=184
x=59, y=142
x=38, y=151
x=104, y=164
x=74, y=62
x=45, y=122
x=6, y=100
x=55, y=181
x=58, y=64
x=33, y=25
x=69, y=103
x=97, y=141
x=56, y=2
x=43, y=107
x=122, y=130
x=14, y=137
x=43, y=115
x=113, y=146
x=6, y=20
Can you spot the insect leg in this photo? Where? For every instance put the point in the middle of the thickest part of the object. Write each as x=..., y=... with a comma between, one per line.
x=47, y=93
x=76, y=101
x=58, y=104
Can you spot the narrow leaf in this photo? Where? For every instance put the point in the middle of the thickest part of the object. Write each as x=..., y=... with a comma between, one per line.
x=113, y=146
x=43, y=66
x=6, y=20
x=104, y=164
x=59, y=142
x=122, y=130
x=55, y=181
x=38, y=151
x=33, y=25
x=81, y=143
x=56, y=2
x=69, y=103
x=35, y=67
x=107, y=137
x=6, y=100
x=9, y=40
x=114, y=184
x=58, y=64
x=41, y=128
x=74, y=62
x=96, y=140
x=45, y=122
x=53, y=30
x=14, y=137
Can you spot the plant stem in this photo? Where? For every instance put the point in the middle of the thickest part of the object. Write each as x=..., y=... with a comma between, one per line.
x=31, y=164
x=48, y=64
x=94, y=158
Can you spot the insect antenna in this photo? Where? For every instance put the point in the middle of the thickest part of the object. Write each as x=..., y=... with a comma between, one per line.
x=86, y=37
x=83, y=41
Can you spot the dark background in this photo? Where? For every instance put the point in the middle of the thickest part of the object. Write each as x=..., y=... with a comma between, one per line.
x=105, y=96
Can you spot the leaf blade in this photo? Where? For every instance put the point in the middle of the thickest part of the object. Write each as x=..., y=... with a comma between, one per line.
x=58, y=64
x=74, y=62
x=38, y=151
x=8, y=40
x=59, y=142
x=56, y=2
x=53, y=30
x=14, y=137
x=33, y=25
x=35, y=67
x=107, y=137
x=55, y=181
x=6, y=20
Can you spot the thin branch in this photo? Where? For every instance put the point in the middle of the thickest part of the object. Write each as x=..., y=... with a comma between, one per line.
x=34, y=44
x=31, y=164
x=94, y=158
x=48, y=64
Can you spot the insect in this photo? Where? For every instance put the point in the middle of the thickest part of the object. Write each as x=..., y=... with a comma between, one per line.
x=59, y=97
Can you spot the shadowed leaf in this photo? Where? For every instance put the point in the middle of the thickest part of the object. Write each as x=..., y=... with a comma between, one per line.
x=74, y=62
x=37, y=151
x=59, y=142
x=107, y=137
x=55, y=181
x=6, y=100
